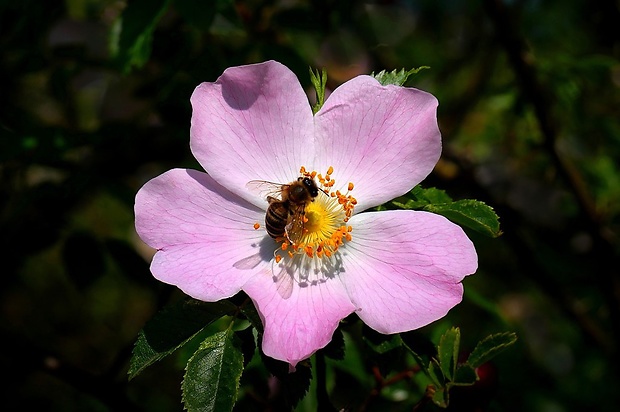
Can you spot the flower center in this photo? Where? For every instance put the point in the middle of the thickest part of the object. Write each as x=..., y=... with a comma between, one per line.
x=316, y=228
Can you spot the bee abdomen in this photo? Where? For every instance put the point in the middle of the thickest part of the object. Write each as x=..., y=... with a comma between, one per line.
x=276, y=219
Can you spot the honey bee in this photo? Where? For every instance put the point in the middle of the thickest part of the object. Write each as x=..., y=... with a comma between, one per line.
x=287, y=203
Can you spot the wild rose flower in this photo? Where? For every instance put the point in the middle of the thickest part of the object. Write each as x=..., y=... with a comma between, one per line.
x=397, y=270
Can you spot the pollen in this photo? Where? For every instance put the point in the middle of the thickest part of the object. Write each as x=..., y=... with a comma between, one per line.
x=325, y=218
x=256, y=226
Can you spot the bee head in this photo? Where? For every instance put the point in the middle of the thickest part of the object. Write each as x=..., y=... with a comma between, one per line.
x=311, y=186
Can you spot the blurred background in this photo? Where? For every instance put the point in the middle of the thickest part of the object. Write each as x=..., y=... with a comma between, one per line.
x=95, y=102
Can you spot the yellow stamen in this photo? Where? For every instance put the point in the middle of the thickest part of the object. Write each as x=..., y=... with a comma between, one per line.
x=324, y=221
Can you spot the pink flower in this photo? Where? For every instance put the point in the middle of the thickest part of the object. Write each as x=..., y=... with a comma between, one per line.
x=397, y=270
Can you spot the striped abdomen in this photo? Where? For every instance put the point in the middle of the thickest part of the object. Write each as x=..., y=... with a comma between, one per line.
x=276, y=218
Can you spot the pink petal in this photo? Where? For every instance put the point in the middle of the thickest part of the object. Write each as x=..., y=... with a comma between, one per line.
x=403, y=268
x=254, y=122
x=384, y=139
x=297, y=326
x=207, y=245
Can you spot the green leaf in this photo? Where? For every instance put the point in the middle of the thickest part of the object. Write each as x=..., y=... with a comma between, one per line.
x=430, y=195
x=489, y=347
x=424, y=352
x=294, y=384
x=440, y=397
x=448, y=352
x=473, y=214
x=132, y=35
x=335, y=348
x=432, y=371
x=420, y=197
x=249, y=311
x=465, y=375
x=396, y=77
x=211, y=381
x=172, y=328
x=319, y=81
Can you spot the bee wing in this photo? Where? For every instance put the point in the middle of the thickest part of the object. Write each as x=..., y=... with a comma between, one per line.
x=295, y=227
x=265, y=189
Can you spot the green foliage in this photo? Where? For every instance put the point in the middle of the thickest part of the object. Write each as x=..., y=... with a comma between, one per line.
x=397, y=77
x=95, y=102
x=445, y=371
x=489, y=347
x=212, y=375
x=132, y=37
x=319, y=81
x=171, y=329
x=448, y=352
x=473, y=214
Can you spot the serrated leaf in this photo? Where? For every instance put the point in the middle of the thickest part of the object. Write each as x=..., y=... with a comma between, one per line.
x=211, y=380
x=432, y=371
x=294, y=384
x=396, y=77
x=430, y=195
x=418, y=198
x=132, y=37
x=489, y=347
x=423, y=351
x=172, y=328
x=473, y=214
x=465, y=375
x=448, y=352
x=335, y=347
x=319, y=81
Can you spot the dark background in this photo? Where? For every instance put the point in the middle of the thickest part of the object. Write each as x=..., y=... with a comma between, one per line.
x=529, y=98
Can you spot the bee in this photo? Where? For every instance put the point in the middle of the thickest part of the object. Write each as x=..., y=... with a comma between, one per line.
x=287, y=203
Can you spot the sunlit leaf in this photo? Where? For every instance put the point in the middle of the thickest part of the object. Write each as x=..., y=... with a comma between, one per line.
x=212, y=375
x=319, y=81
x=473, y=214
x=396, y=77
x=172, y=328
